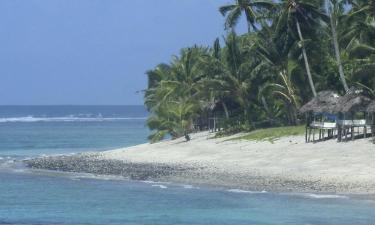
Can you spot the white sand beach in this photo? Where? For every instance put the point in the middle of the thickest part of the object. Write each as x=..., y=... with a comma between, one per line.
x=286, y=164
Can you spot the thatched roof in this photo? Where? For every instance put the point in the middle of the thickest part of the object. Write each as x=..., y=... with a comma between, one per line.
x=324, y=102
x=371, y=107
x=354, y=100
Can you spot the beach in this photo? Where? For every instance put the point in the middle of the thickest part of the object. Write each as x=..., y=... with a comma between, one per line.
x=286, y=165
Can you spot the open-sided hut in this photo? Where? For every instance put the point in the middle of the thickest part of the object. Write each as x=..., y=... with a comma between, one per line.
x=324, y=102
x=319, y=114
x=352, y=113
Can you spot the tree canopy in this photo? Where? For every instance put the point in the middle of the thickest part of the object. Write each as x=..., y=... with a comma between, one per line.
x=293, y=49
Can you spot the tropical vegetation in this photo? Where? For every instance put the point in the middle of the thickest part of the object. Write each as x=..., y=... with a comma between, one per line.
x=292, y=50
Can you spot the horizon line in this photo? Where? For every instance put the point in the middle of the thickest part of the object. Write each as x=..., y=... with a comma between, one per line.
x=70, y=105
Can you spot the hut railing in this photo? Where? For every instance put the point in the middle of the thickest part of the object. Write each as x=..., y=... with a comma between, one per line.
x=352, y=122
x=327, y=125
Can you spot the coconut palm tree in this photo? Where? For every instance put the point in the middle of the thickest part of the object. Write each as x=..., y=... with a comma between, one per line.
x=254, y=11
x=275, y=61
x=297, y=12
x=284, y=90
x=173, y=96
x=232, y=79
x=251, y=9
x=360, y=24
x=335, y=8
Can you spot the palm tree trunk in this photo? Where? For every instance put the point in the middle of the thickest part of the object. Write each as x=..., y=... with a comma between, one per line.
x=265, y=105
x=225, y=109
x=308, y=71
x=248, y=27
x=337, y=50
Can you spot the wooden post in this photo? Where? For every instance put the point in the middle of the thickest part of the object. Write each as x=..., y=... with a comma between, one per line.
x=352, y=131
x=313, y=134
x=320, y=134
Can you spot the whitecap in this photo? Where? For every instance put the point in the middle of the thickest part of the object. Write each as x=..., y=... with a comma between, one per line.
x=154, y=182
x=324, y=196
x=159, y=186
x=97, y=177
x=244, y=191
x=189, y=186
x=319, y=196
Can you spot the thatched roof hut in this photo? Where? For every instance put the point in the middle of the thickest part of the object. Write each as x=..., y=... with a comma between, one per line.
x=371, y=107
x=354, y=100
x=324, y=102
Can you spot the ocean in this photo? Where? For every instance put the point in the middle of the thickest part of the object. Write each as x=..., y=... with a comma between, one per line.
x=45, y=198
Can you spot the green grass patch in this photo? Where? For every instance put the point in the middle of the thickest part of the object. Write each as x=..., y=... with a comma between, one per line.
x=272, y=134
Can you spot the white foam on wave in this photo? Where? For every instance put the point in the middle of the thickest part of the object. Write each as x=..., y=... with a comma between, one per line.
x=80, y=176
x=159, y=186
x=324, y=196
x=29, y=119
x=154, y=182
x=188, y=186
x=244, y=191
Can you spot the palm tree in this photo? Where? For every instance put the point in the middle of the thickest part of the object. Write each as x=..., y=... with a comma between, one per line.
x=295, y=12
x=253, y=12
x=274, y=61
x=335, y=8
x=358, y=38
x=173, y=96
x=360, y=24
x=234, y=79
x=175, y=119
x=251, y=9
x=284, y=89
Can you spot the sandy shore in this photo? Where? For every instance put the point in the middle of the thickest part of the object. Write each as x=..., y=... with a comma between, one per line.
x=288, y=164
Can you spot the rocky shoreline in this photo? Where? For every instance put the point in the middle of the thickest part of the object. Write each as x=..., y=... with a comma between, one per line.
x=91, y=163
x=195, y=174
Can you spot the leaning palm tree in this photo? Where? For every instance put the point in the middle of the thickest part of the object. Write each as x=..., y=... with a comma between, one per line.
x=335, y=8
x=251, y=9
x=297, y=12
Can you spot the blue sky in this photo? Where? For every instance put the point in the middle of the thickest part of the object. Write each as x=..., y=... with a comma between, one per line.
x=95, y=51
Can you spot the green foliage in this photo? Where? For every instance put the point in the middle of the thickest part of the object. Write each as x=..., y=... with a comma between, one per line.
x=260, y=79
x=272, y=134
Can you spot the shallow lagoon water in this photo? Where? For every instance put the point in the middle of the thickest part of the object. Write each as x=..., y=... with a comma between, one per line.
x=41, y=198
x=68, y=199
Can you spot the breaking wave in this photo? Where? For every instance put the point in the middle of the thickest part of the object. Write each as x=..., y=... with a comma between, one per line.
x=244, y=191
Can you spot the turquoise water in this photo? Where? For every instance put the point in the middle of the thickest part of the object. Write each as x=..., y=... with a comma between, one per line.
x=45, y=198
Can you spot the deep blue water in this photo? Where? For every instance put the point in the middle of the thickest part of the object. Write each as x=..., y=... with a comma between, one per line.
x=44, y=198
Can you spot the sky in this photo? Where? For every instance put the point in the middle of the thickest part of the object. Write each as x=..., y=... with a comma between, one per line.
x=95, y=52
